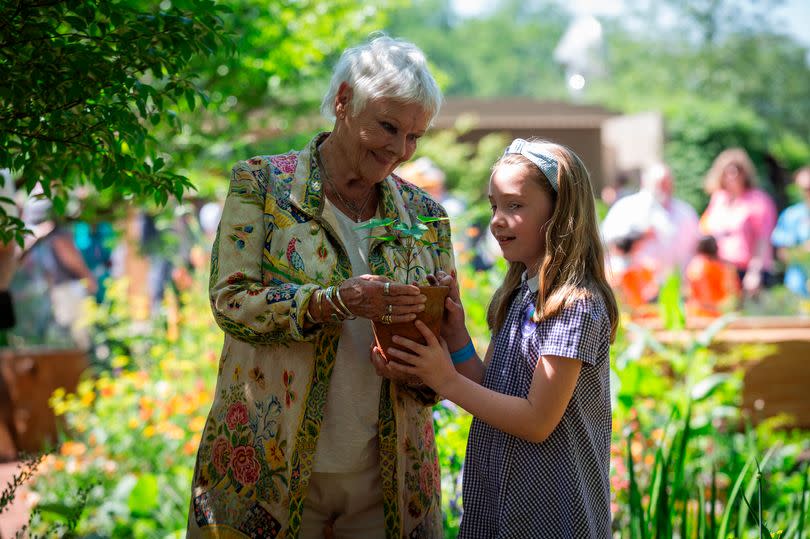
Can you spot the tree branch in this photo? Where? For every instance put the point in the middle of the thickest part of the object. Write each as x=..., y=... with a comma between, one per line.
x=45, y=138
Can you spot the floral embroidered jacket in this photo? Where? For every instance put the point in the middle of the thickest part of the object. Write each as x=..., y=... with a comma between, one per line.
x=273, y=250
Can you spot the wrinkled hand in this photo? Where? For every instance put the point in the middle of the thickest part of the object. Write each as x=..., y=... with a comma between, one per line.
x=454, y=329
x=430, y=362
x=365, y=297
x=384, y=369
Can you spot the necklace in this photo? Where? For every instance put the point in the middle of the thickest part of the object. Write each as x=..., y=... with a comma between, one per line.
x=358, y=211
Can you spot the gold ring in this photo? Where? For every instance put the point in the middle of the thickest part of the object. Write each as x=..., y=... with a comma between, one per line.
x=387, y=289
x=386, y=319
x=389, y=309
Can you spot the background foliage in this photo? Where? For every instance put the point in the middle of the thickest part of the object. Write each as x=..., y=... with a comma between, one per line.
x=683, y=455
x=107, y=94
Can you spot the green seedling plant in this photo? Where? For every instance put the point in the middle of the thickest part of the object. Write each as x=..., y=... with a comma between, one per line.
x=407, y=241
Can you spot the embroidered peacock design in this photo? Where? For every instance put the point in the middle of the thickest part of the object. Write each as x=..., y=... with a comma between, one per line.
x=293, y=257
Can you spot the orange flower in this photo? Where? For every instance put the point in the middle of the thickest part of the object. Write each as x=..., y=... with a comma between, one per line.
x=73, y=449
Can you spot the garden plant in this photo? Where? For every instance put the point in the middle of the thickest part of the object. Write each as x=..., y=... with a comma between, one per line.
x=686, y=462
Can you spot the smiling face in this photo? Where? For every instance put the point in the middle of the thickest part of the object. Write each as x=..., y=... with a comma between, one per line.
x=521, y=209
x=377, y=139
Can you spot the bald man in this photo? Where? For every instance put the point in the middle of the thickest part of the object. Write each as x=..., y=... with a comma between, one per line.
x=668, y=226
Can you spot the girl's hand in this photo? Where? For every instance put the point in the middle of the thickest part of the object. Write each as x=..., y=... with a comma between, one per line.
x=431, y=362
x=454, y=329
x=384, y=369
x=373, y=296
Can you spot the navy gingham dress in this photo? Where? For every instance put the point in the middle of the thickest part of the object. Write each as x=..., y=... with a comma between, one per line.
x=558, y=488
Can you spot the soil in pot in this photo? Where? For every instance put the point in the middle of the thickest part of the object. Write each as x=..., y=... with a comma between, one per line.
x=432, y=316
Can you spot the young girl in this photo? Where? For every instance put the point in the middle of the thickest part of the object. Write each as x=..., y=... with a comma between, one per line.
x=538, y=453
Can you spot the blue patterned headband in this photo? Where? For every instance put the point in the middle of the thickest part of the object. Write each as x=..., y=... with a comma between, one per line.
x=534, y=152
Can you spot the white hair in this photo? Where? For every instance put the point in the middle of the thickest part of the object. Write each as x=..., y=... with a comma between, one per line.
x=653, y=174
x=384, y=67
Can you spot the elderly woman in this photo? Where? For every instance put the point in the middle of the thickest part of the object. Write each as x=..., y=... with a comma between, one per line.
x=741, y=218
x=304, y=438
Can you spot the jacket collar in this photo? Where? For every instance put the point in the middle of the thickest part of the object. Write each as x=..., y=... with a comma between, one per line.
x=306, y=189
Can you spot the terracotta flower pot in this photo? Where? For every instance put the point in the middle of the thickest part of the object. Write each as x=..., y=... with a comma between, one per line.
x=432, y=316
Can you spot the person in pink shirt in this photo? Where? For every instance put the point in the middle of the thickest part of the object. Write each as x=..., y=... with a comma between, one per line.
x=741, y=218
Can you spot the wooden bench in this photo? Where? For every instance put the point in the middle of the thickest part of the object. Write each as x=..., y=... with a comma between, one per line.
x=779, y=382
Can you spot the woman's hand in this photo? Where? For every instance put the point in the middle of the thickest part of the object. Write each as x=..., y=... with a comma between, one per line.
x=429, y=362
x=454, y=329
x=374, y=296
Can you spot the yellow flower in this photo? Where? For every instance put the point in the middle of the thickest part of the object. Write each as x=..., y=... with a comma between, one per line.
x=120, y=361
x=197, y=424
x=132, y=423
x=59, y=407
x=87, y=398
x=149, y=431
x=274, y=454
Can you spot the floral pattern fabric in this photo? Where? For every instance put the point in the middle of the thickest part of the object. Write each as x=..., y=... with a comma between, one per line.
x=274, y=248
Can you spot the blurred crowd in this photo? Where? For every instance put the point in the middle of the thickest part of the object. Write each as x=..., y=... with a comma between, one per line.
x=725, y=257
x=66, y=262
x=738, y=247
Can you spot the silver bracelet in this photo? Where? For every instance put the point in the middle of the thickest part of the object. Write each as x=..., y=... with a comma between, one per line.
x=349, y=315
x=337, y=314
x=308, y=316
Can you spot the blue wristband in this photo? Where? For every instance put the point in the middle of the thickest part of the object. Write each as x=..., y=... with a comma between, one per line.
x=460, y=356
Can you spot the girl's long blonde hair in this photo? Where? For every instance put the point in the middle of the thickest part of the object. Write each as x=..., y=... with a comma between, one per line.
x=574, y=253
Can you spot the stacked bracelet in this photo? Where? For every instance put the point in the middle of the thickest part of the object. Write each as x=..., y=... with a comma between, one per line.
x=335, y=311
x=339, y=313
x=349, y=315
x=462, y=355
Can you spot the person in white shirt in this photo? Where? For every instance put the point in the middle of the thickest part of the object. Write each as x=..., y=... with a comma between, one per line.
x=668, y=225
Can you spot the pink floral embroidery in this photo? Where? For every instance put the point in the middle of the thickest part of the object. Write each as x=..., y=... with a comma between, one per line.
x=221, y=454
x=437, y=477
x=285, y=163
x=237, y=415
x=244, y=464
x=237, y=277
x=426, y=478
x=427, y=435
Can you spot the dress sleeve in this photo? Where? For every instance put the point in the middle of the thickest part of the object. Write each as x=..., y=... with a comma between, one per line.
x=578, y=332
x=242, y=305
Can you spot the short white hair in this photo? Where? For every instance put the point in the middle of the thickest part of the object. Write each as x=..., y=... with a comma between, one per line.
x=384, y=67
x=654, y=174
